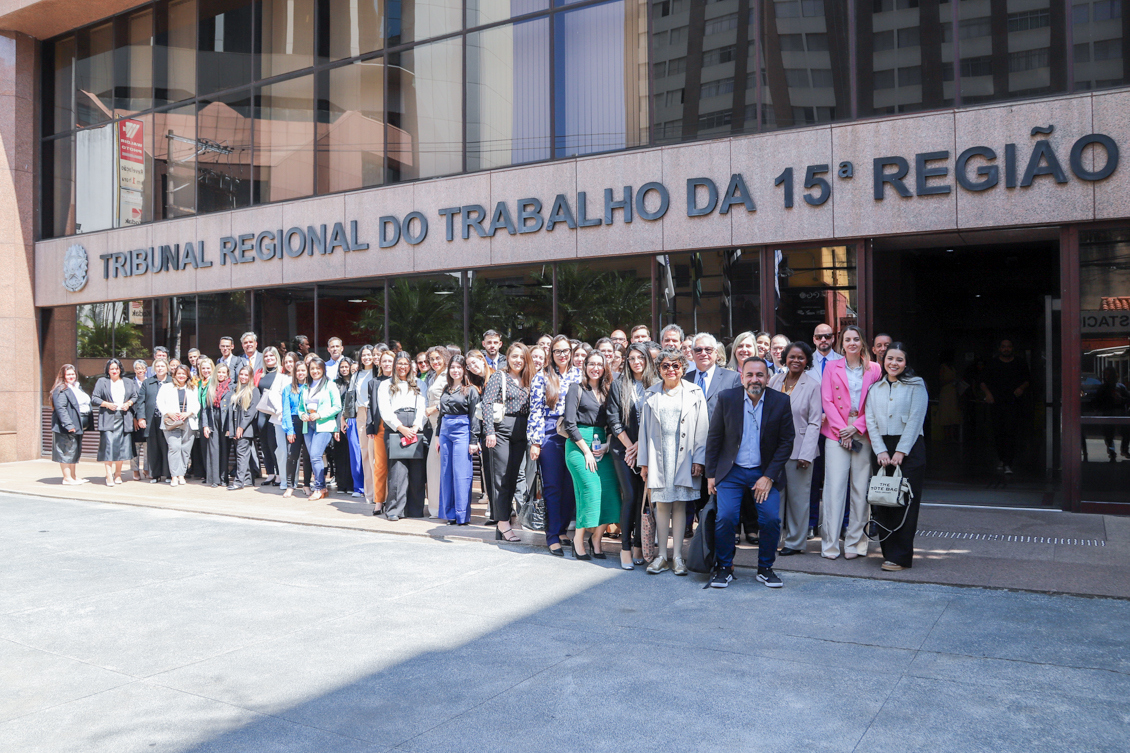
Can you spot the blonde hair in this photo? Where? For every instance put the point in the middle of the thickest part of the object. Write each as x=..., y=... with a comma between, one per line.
x=242, y=392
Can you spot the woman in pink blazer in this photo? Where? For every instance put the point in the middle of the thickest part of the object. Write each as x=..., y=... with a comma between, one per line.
x=847, y=454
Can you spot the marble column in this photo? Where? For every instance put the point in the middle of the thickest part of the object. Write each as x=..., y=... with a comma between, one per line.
x=20, y=388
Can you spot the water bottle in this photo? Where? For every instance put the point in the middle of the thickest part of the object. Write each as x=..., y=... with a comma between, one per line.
x=595, y=444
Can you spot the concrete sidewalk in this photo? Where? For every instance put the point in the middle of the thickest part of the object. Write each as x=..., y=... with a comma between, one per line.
x=1044, y=551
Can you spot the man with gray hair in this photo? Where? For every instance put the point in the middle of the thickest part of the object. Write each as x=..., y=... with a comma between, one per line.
x=671, y=336
x=251, y=354
x=712, y=380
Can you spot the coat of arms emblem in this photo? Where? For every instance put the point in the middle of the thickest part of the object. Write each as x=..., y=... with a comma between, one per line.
x=75, y=265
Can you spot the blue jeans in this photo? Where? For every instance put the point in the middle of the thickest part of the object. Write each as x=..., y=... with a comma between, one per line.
x=316, y=443
x=729, y=492
x=353, y=435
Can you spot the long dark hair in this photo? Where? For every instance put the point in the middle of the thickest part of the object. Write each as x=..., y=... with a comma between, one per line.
x=344, y=381
x=604, y=384
x=625, y=382
x=395, y=381
x=464, y=385
x=907, y=373
x=121, y=370
x=61, y=379
x=552, y=376
x=316, y=386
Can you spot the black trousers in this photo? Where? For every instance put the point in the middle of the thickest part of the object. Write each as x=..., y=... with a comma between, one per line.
x=196, y=467
x=210, y=450
x=631, y=498
x=269, y=442
x=244, y=450
x=406, y=482
x=1006, y=429
x=502, y=464
x=898, y=547
x=157, y=450
x=296, y=451
x=340, y=451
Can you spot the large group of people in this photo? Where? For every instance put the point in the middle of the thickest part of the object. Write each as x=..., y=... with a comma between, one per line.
x=785, y=435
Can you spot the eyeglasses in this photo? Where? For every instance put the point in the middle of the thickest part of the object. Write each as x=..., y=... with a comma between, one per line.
x=823, y=337
x=704, y=350
x=562, y=352
x=670, y=366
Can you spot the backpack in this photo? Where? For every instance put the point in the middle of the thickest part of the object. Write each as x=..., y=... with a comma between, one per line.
x=700, y=558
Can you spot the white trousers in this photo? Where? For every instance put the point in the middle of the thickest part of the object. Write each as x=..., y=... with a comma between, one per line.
x=796, y=514
x=844, y=469
x=280, y=450
x=433, y=472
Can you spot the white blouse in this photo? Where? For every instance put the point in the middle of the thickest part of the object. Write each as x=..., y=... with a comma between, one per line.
x=118, y=392
x=82, y=398
x=404, y=398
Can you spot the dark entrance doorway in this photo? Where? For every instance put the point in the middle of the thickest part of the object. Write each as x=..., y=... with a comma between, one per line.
x=953, y=306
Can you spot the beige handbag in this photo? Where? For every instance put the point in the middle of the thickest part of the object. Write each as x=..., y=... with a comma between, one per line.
x=889, y=491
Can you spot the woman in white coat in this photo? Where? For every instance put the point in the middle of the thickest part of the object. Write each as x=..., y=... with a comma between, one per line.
x=803, y=388
x=179, y=404
x=672, y=453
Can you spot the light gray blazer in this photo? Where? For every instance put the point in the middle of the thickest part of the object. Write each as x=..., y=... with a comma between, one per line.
x=693, y=427
x=808, y=412
x=898, y=410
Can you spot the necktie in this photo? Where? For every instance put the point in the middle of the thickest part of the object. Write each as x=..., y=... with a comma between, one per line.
x=823, y=363
x=700, y=380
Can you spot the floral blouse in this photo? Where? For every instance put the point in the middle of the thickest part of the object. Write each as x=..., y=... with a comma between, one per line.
x=543, y=419
x=517, y=396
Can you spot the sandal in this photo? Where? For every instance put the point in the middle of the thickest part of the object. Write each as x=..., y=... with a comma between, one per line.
x=287, y=494
x=507, y=535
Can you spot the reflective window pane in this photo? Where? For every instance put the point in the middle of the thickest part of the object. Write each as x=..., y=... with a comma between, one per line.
x=351, y=129
x=1104, y=288
x=480, y=12
x=595, y=298
x=508, y=95
x=1101, y=35
x=133, y=63
x=815, y=286
x=805, y=49
x=58, y=215
x=515, y=301
x=418, y=20
x=224, y=42
x=905, y=57
x=59, y=100
x=354, y=27
x=284, y=140
x=222, y=315
x=1009, y=50
x=425, y=111
x=94, y=75
x=353, y=311
x=135, y=170
x=593, y=109
x=281, y=314
x=285, y=36
x=174, y=163
x=223, y=161
x=95, y=179
x=425, y=311
x=174, y=65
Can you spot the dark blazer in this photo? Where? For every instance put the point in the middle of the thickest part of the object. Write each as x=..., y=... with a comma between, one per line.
x=233, y=362
x=102, y=394
x=211, y=416
x=723, y=380
x=616, y=423
x=65, y=418
x=240, y=418
x=728, y=422
x=373, y=423
x=147, y=403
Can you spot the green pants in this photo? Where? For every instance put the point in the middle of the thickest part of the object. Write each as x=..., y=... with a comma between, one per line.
x=598, y=494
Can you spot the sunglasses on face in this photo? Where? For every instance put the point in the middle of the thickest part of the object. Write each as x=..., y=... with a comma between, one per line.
x=823, y=337
x=704, y=350
x=670, y=366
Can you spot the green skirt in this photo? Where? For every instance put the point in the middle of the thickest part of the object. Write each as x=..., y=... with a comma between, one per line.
x=598, y=494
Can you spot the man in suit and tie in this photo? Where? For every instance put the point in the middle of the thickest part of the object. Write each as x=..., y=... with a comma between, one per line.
x=251, y=355
x=228, y=357
x=712, y=380
x=750, y=440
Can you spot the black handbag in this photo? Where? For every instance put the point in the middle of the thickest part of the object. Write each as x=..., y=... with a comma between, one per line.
x=418, y=450
x=700, y=557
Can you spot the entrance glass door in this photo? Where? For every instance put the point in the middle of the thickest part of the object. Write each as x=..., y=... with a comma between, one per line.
x=1104, y=287
x=982, y=327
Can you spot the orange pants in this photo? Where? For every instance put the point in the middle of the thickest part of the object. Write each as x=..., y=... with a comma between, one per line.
x=380, y=466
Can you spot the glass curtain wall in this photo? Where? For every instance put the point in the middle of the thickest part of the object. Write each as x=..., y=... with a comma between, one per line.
x=243, y=102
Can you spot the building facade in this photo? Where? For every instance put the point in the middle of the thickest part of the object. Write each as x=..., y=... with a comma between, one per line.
x=946, y=172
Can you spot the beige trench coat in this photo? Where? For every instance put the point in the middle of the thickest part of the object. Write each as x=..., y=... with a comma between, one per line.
x=693, y=427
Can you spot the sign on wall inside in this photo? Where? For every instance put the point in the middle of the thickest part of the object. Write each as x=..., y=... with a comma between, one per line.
x=977, y=169
x=131, y=172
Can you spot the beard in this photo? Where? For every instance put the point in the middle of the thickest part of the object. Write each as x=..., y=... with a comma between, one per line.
x=754, y=390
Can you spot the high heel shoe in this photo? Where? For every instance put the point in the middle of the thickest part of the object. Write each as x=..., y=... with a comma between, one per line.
x=592, y=550
x=579, y=556
x=502, y=535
